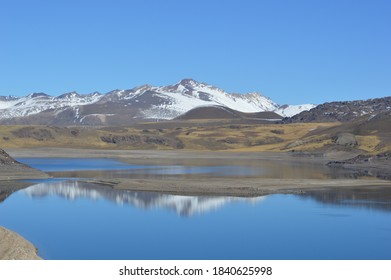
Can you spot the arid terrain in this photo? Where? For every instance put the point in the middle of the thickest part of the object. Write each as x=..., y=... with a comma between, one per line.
x=368, y=137
x=208, y=135
x=15, y=247
x=361, y=146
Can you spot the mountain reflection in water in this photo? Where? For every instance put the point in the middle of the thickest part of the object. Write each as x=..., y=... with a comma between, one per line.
x=79, y=220
x=182, y=205
x=368, y=197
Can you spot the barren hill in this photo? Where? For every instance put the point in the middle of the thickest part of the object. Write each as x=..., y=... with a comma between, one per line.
x=220, y=112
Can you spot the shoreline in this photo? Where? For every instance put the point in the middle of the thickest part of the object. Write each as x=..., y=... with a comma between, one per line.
x=374, y=169
x=165, y=154
x=181, y=157
x=243, y=187
x=15, y=247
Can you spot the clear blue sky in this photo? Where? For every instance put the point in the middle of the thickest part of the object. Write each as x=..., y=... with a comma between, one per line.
x=291, y=51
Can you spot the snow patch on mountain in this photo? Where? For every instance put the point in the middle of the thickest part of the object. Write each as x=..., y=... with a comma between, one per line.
x=36, y=103
x=189, y=94
x=8, y=102
x=291, y=110
x=249, y=103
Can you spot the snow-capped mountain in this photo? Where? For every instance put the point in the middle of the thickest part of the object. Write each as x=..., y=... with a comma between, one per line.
x=124, y=106
x=13, y=107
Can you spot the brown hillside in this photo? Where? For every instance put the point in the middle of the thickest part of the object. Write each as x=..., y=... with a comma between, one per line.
x=220, y=112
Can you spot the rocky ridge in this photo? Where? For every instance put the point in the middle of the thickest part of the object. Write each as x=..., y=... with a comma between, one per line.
x=344, y=111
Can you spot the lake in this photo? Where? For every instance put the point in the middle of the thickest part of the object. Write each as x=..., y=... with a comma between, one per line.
x=67, y=219
x=189, y=168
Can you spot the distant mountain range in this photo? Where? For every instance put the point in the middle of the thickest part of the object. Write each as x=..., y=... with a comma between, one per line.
x=188, y=99
x=121, y=107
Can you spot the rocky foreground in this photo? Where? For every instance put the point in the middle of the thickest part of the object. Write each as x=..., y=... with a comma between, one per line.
x=15, y=247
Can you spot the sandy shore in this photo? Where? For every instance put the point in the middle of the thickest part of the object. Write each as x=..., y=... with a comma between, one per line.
x=15, y=247
x=237, y=187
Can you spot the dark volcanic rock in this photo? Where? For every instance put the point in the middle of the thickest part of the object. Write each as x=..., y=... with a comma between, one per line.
x=119, y=139
x=342, y=111
x=378, y=165
x=363, y=159
x=6, y=159
x=39, y=134
x=137, y=140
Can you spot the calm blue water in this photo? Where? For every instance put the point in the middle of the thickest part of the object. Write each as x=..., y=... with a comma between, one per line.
x=76, y=164
x=74, y=220
x=113, y=167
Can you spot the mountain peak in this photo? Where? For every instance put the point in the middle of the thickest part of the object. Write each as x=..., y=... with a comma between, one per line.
x=37, y=94
x=71, y=94
x=191, y=84
x=144, y=87
x=188, y=81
